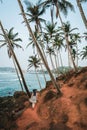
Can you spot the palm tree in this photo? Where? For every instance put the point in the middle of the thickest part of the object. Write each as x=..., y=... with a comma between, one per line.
x=31, y=41
x=34, y=13
x=49, y=34
x=66, y=31
x=38, y=48
x=74, y=39
x=84, y=53
x=74, y=53
x=13, y=39
x=50, y=51
x=9, y=42
x=35, y=62
x=57, y=45
x=50, y=29
x=82, y=11
x=17, y=73
x=61, y=6
x=85, y=35
x=37, y=36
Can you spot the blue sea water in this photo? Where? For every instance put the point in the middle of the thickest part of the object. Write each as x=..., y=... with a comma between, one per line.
x=9, y=82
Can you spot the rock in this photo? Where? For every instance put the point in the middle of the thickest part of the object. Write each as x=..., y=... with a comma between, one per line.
x=49, y=95
x=17, y=94
x=59, y=126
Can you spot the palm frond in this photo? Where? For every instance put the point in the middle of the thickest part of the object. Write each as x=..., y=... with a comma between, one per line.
x=11, y=30
x=18, y=46
x=18, y=39
x=29, y=66
x=28, y=4
x=73, y=29
x=42, y=11
x=15, y=35
x=83, y=1
x=2, y=40
x=28, y=14
x=1, y=35
x=68, y=5
x=29, y=44
x=2, y=45
x=64, y=6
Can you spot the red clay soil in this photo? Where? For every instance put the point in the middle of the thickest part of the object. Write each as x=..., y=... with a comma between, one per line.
x=53, y=112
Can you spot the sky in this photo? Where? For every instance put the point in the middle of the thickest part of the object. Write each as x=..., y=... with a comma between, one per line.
x=10, y=17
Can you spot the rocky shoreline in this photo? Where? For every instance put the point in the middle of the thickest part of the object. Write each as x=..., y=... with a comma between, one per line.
x=11, y=108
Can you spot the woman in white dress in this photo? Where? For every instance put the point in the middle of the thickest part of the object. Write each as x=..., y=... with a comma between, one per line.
x=33, y=98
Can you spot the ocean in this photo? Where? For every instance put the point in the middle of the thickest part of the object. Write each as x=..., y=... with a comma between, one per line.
x=9, y=82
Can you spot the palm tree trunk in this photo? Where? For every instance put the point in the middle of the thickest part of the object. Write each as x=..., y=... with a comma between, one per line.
x=44, y=52
x=43, y=41
x=55, y=61
x=38, y=79
x=57, y=52
x=57, y=72
x=60, y=59
x=16, y=61
x=38, y=48
x=42, y=70
x=51, y=11
x=17, y=73
x=52, y=62
x=69, y=49
x=52, y=65
x=77, y=54
x=82, y=13
x=43, y=74
x=67, y=41
x=69, y=60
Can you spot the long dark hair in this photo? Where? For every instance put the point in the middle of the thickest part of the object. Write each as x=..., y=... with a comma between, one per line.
x=34, y=92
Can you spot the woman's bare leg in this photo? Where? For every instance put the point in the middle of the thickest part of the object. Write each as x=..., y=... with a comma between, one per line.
x=33, y=105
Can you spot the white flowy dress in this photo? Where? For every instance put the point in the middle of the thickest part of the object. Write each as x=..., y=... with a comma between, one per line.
x=33, y=99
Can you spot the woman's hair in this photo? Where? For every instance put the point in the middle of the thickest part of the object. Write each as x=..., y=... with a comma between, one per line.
x=34, y=92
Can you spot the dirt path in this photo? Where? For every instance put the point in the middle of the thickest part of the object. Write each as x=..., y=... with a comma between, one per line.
x=28, y=117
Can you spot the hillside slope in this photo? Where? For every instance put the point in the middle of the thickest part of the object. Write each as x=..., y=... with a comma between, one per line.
x=68, y=112
x=52, y=112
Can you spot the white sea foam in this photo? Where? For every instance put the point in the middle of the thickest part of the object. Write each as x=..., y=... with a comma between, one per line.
x=7, y=73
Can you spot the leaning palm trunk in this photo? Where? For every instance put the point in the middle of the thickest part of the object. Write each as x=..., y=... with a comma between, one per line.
x=38, y=79
x=69, y=49
x=67, y=42
x=57, y=53
x=52, y=65
x=69, y=60
x=77, y=55
x=43, y=73
x=42, y=70
x=60, y=59
x=38, y=48
x=42, y=49
x=44, y=53
x=52, y=62
x=51, y=10
x=58, y=65
x=17, y=73
x=82, y=12
x=56, y=71
x=16, y=61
